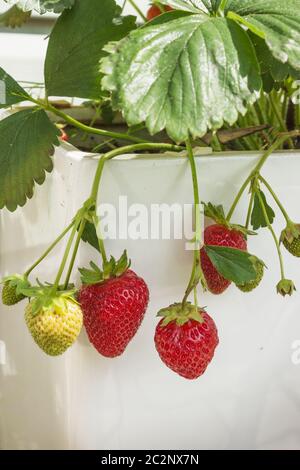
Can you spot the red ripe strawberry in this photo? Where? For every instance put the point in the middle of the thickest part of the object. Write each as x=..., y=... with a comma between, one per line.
x=113, y=310
x=64, y=136
x=219, y=235
x=186, y=340
x=155, y=11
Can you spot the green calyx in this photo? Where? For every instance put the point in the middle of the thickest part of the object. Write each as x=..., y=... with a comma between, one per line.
x=13, y=286
x=290, y=237
x=285, y=287
x=181, y=313
x=217, y=214
x=110, y=269
x=47, y=298
x=251, y=285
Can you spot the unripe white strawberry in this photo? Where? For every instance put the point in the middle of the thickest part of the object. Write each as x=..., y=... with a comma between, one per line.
x=56, y=326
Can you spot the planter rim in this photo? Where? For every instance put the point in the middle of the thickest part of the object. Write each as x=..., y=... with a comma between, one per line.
x=200, y=153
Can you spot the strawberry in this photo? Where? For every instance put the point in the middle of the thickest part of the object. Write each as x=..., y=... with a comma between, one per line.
x=222, y=233
x=54, y=321
x=251, y=285
x=114, y=303
x=219, y=235
x=155, y=11
x=285, y=287
x=12, y=289
x=290, y=237
x=64, y=136
x=10, y=296
x=186, y=339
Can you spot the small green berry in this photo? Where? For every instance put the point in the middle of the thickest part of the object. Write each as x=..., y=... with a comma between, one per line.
x=251, y=285
x=290, y=237
x=9, y=294
x=285, y=287
x=293, y=247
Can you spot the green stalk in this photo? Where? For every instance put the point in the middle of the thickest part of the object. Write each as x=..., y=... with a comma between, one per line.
x=123, y=6
x=94, y=197
x=137, y=9
x=51, y=247
x=279, y=117
x=250, y=207
x=278, y=142
x=215, y=143
x=74, y=254
x=223, y=5
x=297, y=115
x=194, y=280
x=276, y=199
x=260, y=113
x=273, y=234
x=65, y=257
x=83, y=127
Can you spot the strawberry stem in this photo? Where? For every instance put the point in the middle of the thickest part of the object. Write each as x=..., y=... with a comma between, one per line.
x=276, y=199
x=272, y=232
x=250, y=207
x=197, y=273
x=223, y=5
x=81, y=126
x=74, y=254
x=66, y=254
x=137, y=9
x=51, y=247
x=279, y=117
x=254, y=173
x=94, y=197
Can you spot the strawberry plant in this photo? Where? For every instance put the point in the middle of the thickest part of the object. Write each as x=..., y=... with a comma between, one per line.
x=219, y=73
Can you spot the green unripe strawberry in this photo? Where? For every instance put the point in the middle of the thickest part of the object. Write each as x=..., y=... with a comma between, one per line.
x=9, y=294
x=56, y=325
x=13, y=286
x=285, y=287
x=251, y=285
x=293, y=247
x=290, y=237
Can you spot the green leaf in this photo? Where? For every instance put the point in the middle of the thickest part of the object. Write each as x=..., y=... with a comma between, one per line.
x=89, y=235
x=215, y=212
x=10, y=90
x=76, y=47
x=235, y=265
x=257, y=217
x=42, y=6
x=19, y=281
x=269, y=65
x=91, y=276
x=27, y=140
x=111, y=268
x=276, y=21
x=186, y=75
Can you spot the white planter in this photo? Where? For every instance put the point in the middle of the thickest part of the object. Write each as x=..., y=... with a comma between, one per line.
x=249, y=396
